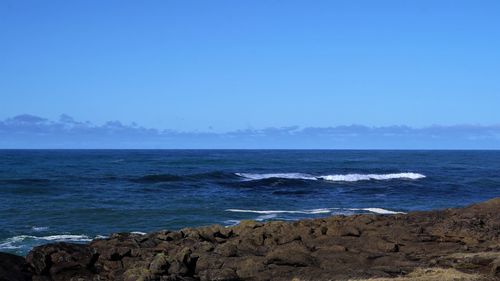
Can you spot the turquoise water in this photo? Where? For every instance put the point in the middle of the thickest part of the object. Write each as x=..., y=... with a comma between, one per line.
x=77, y=195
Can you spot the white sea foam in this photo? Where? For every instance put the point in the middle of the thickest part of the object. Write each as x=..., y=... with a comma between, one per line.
x=334, y=178
x=265, y=217
x=39, y=228
x=9, y=244
x=365, y=177
x=229, y=223
x=17, y=242
x=138, y=232
x=315, y=211
x=377, y=211
x=271, y=214
x=66, y=237
x=249, y=176
x=59, y=238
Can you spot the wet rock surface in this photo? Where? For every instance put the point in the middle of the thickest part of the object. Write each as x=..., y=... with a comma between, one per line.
x=464, y=241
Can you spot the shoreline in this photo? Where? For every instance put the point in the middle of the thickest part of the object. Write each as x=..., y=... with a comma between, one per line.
x=427, y=245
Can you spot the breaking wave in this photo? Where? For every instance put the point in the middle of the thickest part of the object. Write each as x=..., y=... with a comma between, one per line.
x=333, y=178
x=316, y=211
x=19, y=241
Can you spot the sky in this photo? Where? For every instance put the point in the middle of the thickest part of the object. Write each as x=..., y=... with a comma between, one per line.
x=225, y=66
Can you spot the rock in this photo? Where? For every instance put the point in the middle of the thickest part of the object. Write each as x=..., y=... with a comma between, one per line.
x=223, y=274
x=388, y=246
x=227, y=250
x=210, y=233
x=334, y=248
x=343, y=231
x=13, y=268
x=206, y=246
x=159, y=264
x=137, y=274
x=435, y=244
x=250, y=267
x=292, y=255
x=495, y=268
x=350, y=231
x=62, y=261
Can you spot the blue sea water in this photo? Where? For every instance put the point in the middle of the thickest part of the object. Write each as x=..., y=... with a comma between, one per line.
x=77, y=195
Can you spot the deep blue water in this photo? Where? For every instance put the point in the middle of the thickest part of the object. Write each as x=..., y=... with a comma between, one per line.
x=76, y=195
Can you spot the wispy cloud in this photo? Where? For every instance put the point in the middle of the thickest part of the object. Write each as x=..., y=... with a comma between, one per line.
x=29, y=131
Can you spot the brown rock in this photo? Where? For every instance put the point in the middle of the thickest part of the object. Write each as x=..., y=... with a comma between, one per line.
x=343, y=231
x=13, y=268
x=62, y=261
x=223, y=274
x=334, y=248
x=227, y=250
x=250, y=267
x=159, y=264
x=495, y=268
x=292, y=255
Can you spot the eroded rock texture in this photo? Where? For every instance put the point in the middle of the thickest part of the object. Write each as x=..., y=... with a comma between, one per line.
x=463, y=241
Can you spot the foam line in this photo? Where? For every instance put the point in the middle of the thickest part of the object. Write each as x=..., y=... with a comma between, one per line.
x=333, y=178
x=314, y=211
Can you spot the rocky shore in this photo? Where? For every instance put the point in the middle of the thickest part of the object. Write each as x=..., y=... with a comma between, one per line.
x=451, y=244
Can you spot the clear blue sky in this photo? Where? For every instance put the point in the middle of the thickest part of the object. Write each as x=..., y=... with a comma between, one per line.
x=191, y=65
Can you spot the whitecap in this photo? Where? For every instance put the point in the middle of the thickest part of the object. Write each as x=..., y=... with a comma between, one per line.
x=230, y=223
x=39, y=228
x=8, y=244
x=58, y=238
x=313, y=211
x=365, y=177
x=316, y=211
x=265, y=217
x=377, y=211
x=249, y=176
x=63, y=238
x=27, y=241
x=333, y=178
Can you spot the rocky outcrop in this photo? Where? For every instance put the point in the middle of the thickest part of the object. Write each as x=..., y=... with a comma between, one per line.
x=448, y=243
x=13, y=268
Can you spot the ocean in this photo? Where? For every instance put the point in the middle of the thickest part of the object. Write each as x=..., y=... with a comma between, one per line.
x=78, y=195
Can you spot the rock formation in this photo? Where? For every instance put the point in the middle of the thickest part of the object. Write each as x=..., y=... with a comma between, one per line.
x=452, y=244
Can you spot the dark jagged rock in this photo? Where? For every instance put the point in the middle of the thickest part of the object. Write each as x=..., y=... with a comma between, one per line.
x=63, y=261
x=462, y=244
x=13, y=268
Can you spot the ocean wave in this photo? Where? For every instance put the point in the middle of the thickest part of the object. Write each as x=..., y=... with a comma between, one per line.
x=333, y=178
x=265, y=217
x=229, y=223
x=9, y=245
x=159, y=178
x=59, y=238
x=365, y=177
x=316, y=211
x=249, y=177
x=377, y=211
x=17, y=242
x=25, y=181
x=297, y=176
x=39, y=228
x=308, y=212
x=215, y=175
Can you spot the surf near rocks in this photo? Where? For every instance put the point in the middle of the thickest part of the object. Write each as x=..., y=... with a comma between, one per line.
x=436, y=245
